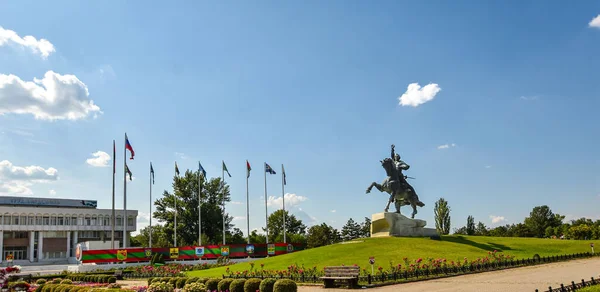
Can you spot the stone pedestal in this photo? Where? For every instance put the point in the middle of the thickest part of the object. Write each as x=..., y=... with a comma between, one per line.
x=394, y=224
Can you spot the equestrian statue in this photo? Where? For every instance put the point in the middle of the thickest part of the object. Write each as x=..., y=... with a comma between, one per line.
x=401, y=192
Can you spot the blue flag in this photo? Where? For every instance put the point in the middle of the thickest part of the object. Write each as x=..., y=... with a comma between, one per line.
x=201, y=169
x=269, y=169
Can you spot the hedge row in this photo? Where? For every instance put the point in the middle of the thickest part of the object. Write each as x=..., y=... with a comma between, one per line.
x=91, y=278
x=72, y=288
x=177, y=282
x=251, y=285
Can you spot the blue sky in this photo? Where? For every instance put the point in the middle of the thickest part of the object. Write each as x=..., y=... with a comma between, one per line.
x=315, y=86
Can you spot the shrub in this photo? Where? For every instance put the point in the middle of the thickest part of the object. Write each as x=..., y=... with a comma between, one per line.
x=180, y=282
x=202, y=280
x=173, y=281
x=194, y=287
x=267, y=285
x=56, y=281
x=252, y=285
x=40, y=281
x=212, y=284
x=191, y=280
x=150, y=280
x=18, y=285
x=160, y=287
x=285, y=285
x=237, y=285
x=111, y=279
x=66, y=281
x=224, y=284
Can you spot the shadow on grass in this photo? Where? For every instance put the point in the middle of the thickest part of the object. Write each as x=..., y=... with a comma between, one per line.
x=488, y=247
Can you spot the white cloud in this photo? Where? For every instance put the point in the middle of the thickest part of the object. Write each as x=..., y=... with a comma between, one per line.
x=291, y=200
x=416, y=95
x=100, y=159
x=17, y=180
x=333, y=211
x=488, y=166
x=595, y=22
x=532, y=97
x=446, y=146
x=52, y=193
x=236, y=203
x=42, y=46
x=55, y=97
x=181, y=155
x=497, y=219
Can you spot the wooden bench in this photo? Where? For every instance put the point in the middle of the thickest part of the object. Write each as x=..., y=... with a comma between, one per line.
x=349, y=274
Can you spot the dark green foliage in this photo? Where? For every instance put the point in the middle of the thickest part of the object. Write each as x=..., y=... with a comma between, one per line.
x=351, y=230
x=252, y=285
x=150, y=280
x=112, y=279
x=267, y=285
x=285, y=285
x=212, y=284
x=192, y=280
x=224, y=284
x=470, y=225
x=237, y=285
x=442, y=216
x=180, y=282
x=40, y=281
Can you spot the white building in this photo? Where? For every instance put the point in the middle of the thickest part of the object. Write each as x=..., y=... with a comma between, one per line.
x=40, y=229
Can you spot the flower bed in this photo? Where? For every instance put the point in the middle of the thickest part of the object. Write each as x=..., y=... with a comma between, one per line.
x=170, y=270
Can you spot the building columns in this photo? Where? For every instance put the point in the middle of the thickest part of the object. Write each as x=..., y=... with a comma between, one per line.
x=1, y=246
x=75, y=237
x=31, y=246
x=68, y=244
x=40, y=245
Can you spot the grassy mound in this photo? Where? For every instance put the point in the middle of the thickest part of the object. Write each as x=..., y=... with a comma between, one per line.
x=395, y=249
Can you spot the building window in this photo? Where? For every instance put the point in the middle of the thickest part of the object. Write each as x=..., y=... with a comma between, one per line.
x=31, y=220
x=38, y=220
x=74, y=221
x=23, y=220
x=107, y=221
x=80, y=221
x=61, y=220
x=87, y=221
x=15, y=220
x=119, y=221
x=6, y=219
x=93, y=222
x=53, y=220
x=67, y=220
x=46, y=220
x=130, y=221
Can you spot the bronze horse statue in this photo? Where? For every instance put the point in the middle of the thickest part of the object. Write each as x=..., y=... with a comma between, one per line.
x=400, y=192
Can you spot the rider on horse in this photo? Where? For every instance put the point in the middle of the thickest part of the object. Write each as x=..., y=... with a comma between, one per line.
x=401, y=178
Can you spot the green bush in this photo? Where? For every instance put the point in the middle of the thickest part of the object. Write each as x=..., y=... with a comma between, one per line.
x=150, y=280
x=111, y=279
x=66, y=281
x=160, y=287
x=191, y=280
x=237, y=285
x=212, y=284
x=252, y=285
x=194, y=287
x=224, y=284
x=56, y=281
x=267, y=285
x=285, y=285
x=173, y=281
x=40, y=281
x=181, y=282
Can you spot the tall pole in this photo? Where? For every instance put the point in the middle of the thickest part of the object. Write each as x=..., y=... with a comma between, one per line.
x=283, y=197
x=266, y=210
x=199, y=207
x=223, y=189
x=150, y=240
x=247, y=204
x=112, y=230
x=125, y=195
x=175, y=210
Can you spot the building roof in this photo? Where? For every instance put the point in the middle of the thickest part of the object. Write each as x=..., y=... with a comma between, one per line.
x=47, y=202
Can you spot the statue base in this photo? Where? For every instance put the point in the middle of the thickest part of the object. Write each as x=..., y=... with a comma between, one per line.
x=398, y=225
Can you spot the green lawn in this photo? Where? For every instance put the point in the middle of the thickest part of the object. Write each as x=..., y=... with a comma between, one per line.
x=395, y=249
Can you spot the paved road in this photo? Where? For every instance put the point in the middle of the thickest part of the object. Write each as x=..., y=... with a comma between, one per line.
x=518, y=279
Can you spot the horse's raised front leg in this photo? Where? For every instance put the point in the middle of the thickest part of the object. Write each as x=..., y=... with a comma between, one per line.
x=374, y=184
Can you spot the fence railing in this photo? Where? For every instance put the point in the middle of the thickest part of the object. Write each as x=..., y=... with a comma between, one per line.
x=573, y=286
x=441, y=272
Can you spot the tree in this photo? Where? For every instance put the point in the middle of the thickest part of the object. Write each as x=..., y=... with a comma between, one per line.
x=442, y=216
x=499, y=231
x=351, y=230
x=580, y=232
x=470, y=225
x=481, y=229
x=237, y=237
x=214, y=194
x=318, y=235
x=257, y=238
x=159, y=237
x=275, y=226
x=540, y=218
x=365, y=229
x=460, y=231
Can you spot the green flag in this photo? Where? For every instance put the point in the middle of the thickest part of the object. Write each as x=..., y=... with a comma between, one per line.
x=225, y=169
x=128, y=172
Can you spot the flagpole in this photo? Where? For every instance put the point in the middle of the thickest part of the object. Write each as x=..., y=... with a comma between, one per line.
x=266, y=210
x=247, y=201
x=150, y=241
x=175, y=210
x=112, y=230
x=125, y=195
x=283, y=197
x=223, y=189
x=199, y=206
